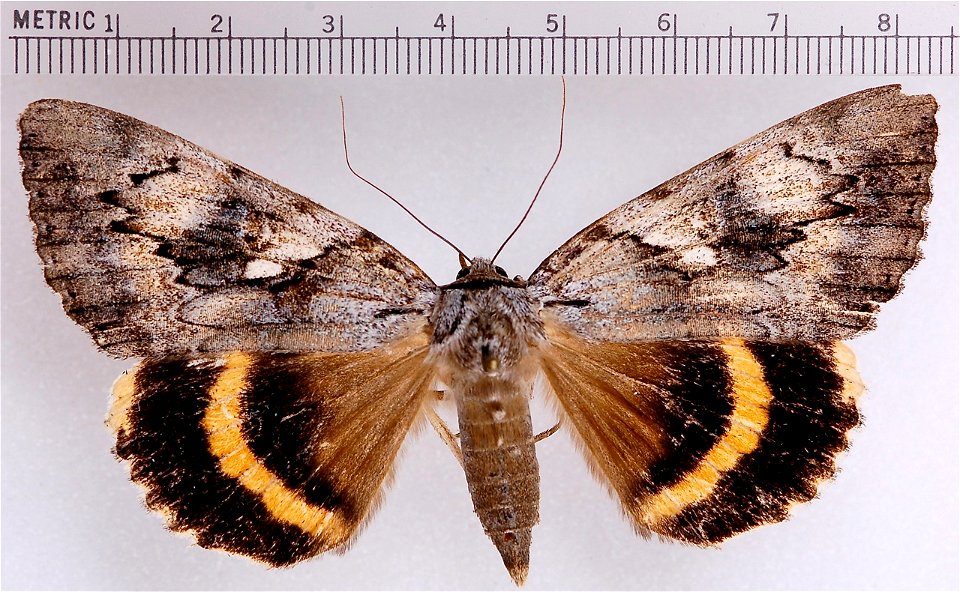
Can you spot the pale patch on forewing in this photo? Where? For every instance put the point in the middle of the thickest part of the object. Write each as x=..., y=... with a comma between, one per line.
x=699, y=256
x=260, y=268
x=751, y=400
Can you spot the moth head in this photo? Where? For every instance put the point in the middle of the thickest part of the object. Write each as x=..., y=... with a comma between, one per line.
x=479, y=269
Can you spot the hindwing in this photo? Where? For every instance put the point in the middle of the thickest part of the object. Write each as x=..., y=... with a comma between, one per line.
x=701, y=440
x=274, y=456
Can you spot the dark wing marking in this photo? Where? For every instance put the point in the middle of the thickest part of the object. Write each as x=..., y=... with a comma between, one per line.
x=159, y=247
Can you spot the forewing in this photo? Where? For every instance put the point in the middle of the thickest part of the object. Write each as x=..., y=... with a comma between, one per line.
x=158, y=247
x=278, y=457
x=704, y=439
x=797, y=233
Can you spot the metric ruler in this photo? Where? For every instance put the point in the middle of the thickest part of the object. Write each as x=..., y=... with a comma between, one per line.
x=590, y=39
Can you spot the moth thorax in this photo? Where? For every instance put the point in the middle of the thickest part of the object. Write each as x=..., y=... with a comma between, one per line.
x=489, y=330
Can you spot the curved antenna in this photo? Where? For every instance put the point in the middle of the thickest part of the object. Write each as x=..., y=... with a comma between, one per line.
x=563, y=110
x=346, y=155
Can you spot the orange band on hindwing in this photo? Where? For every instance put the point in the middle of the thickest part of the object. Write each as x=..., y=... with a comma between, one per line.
x=223, y=421
x=751, y=396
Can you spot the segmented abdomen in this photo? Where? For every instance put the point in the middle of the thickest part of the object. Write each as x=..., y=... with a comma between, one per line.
x=496, y=436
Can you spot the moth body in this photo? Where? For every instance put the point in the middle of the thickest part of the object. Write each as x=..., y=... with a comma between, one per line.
x=486, y=339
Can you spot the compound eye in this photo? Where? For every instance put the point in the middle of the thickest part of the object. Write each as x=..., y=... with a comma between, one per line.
x=464, y=272
x=500, y=271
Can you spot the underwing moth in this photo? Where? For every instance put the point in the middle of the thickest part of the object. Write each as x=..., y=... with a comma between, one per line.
x=691, y=339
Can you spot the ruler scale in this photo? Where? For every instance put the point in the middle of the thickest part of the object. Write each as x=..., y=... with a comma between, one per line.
x=670, y=53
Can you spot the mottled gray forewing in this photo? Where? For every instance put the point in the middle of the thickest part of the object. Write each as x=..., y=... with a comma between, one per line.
x=797, y=233
x=157, y=246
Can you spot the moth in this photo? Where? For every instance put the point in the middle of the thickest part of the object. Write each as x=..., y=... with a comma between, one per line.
x=691, y=339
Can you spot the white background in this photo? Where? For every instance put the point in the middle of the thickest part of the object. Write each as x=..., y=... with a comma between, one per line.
x=466, y=154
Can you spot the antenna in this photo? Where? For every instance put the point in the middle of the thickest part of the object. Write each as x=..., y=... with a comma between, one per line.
x=346, y=155
x=563, y=110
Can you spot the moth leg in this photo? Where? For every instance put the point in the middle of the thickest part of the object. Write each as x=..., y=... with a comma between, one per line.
x=445, y=434
x=547, y=433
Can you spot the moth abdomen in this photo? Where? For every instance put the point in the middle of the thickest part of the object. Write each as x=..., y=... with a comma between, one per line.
x=500, y=464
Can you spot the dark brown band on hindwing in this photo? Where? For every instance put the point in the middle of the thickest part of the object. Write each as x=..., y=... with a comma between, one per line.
x=695, y=416
x=196, y=445
x=282, y=428
x=804, y=397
